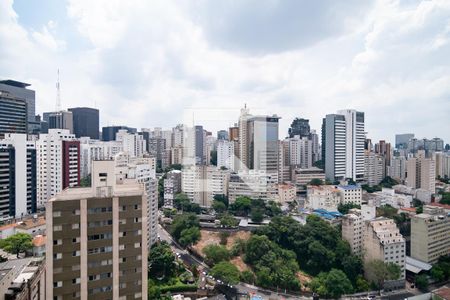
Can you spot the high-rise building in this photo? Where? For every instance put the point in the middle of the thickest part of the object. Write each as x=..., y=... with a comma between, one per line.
x=96, y=150
x=343, y=138
x=58, y=163
x=172, y=186
x=202, y=183
x=299, y=127
x=132, y=143
x=156, y=147
x=222, y=135
x=17, y=176
x=13, y=114
x=85, y=122
x=401, y=140
x=353, y=227
x=109, y=132
x=421, y=173
x=383, y=241
x=374, y=166
x=59, y=120
x=97, y=239
x=430, y=238
x=199, y=145
x=142, y=170
x=314, y=138
x=300, y=152
x=20, y=90
x=397, y=168
x=225, y=154
x=253, y=184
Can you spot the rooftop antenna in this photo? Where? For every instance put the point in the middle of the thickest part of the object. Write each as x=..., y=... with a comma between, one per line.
x=58, y=95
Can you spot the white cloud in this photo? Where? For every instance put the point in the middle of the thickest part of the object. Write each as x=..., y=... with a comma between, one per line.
x=148, y=63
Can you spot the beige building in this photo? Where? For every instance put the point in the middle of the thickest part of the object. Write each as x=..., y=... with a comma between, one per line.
x=325, y=197
x=383, y=241
x=304, y=176
x=202, y=183
x=430, y=234
x=96, y=239
x=350, y=194
x=253, y=184
x=287, y=193
x=421, y=173
x=353, y=225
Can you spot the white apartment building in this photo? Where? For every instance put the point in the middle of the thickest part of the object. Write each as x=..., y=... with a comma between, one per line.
x=397, y=168
x=58, y=163
x=350, y=194
x=353, y=227
x=374, y=166
x=300, y=152
x=17, y=176
x=383, y=241
x=253, y=184
x=325, y=197
x=388, y=197
x=96, y=150
x=343, y=136
x=202, y=183
x=143, y=170
x=132, y=143
x=225, y=154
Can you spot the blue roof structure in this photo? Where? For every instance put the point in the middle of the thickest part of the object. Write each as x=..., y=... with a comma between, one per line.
x=349, y=187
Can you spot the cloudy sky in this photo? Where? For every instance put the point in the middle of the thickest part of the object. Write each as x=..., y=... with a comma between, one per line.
x=157, y=63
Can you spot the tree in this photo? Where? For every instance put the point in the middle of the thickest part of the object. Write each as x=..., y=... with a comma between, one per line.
x=445, y=198
x=361, y=284
x=181, y=222
x=257, y=215
x=228, y=220
x=380, y=272
x=219, y=206
x=226, y=271
x=388, y=182
x=17, y=243
x=332, y=284
x=437, y=273
x=248, y=276
x=189, y=236
x=215, y=254
x=352, y=266
x=85, y=181
x=316, y=181
x=182, y=202
x=161, y=261
x=344, y=208
x=222, y=198
x=241, y=206
x=422, y=282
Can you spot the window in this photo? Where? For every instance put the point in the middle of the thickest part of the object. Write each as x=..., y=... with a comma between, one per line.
x=56, y=214
x=57, y=242
x=76, y=240
x=76, y=281
x=57, y=255
x=76, y=253
x=57, y=284
x=75, y=226
x=57, y=228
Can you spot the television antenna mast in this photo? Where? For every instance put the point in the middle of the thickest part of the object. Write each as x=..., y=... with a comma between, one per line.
x=58, y=94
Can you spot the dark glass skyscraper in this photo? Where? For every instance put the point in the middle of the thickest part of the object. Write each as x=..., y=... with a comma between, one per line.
x=109, y=132
x=13, y=114
x=85, y=122
x=299, y=127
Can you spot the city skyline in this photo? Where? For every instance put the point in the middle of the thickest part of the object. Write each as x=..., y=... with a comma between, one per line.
x=179, y=60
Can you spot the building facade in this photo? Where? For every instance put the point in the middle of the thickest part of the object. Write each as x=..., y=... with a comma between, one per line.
x=85, y=122
x=17, y=176
x=430, y=234
x=13, y=114
x=97, y=239
x=58, y=163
